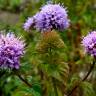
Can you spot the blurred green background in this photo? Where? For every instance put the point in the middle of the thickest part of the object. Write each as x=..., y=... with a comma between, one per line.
x=82, y=14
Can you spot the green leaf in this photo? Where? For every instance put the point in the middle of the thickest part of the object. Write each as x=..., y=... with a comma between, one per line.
x=87, y=89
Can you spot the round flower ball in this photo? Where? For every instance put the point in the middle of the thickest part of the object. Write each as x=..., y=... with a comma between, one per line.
x=11, y=50
x=89, y=43
x=51, y=16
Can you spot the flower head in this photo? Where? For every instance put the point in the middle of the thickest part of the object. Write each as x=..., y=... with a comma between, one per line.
x=11, y=49
x=28, y=24
x=89, y=43
x=51, y=16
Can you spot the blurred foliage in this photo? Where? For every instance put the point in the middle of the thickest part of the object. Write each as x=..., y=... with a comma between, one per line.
x=82, y=14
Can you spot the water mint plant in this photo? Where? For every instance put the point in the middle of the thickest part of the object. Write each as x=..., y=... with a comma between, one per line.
x=60, y=59
x=52, y=66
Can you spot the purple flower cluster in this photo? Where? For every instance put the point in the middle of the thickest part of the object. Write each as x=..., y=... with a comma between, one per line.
x=89, y=43
x=11, y=49
x=29, y=23
x=51, y=16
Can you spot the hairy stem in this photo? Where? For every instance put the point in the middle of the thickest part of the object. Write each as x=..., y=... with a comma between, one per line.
x=90, y=70
x=86, y=76
x=54, y=85
x=23, y=80
x=53, y=80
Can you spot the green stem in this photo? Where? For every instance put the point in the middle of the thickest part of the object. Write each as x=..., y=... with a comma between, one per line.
x=86, y=76
x=54, y=85
x=25, y=81
x=53, y=80
x=16, y=72
x=90, y=70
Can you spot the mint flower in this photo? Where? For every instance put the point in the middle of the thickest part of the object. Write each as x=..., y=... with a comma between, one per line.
x=51, y=16
x=89, y=43
x=11, y=49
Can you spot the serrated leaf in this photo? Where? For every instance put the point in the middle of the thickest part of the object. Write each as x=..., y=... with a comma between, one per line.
x=87, y=89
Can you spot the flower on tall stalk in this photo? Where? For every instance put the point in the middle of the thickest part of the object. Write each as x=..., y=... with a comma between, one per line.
x=51, y=16
x=11, y=49
x=89, y=43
